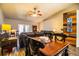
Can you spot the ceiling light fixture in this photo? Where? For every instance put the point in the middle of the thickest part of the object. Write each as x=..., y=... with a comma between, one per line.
x=34, y=13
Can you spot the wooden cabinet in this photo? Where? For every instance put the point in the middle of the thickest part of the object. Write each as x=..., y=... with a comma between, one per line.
x=72, y=15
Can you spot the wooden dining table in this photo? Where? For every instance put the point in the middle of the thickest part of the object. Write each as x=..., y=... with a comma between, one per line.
x=54, y=48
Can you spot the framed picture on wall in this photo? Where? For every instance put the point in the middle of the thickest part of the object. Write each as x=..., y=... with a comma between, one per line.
x=69, y=24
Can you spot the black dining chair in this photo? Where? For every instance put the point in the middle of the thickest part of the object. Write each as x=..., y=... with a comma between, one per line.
x=31, y=46
x=34, y=47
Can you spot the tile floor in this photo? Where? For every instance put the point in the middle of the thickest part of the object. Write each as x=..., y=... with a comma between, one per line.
x=73, y=51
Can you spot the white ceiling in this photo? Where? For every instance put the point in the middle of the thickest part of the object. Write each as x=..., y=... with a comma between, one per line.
x=19, y=11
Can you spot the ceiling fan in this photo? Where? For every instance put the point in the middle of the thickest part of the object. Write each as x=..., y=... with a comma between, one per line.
x=35, y=12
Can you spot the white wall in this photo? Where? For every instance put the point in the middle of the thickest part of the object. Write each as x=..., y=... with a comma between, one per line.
x=56, y=22
x=1, y=17
x=77, y=41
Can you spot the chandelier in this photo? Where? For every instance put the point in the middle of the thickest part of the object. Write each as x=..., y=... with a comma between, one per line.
x=34, y=13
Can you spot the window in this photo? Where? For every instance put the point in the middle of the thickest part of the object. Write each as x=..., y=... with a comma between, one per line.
x=20, y=28
x=24, y=28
